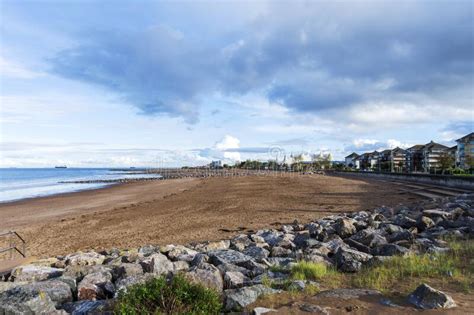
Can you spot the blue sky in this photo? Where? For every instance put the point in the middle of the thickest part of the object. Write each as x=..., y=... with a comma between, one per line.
x=150, y=83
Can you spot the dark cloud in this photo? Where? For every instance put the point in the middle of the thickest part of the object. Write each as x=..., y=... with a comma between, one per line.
x=309, y=57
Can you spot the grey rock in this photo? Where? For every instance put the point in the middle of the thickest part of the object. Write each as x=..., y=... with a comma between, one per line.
x=256, y=252
x=390, y=250
x=237, y=299
x=223, y=268
x=158, y=264
x=123, y=284
x=199, y=259
x=436, y=213
x=311, y=308
x=58, y=291
x=426, y=297
x=84, y=259
x=229, y=256
x=278, y=251
x=207, y=275
x=22, y=300
x=400, y=236
x=89, y=307
x=148, y=250
x=128, y=269
x=369, y=237
x=424, y=223
x=345, y=227
x=96, y=286
x=297, y=285
x=213, y=246
x=235, y=279
x=240, y=242
x=179, y=252
x=180, y=266
x=349, y=260
x=262, y=310
x=30, y=273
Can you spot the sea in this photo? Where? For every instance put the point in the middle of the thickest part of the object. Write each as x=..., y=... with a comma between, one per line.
x=22, y=183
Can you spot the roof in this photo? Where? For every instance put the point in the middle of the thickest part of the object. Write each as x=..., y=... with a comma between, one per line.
x=434, y=145
x=468, y=136
x=352, y=155
x=416, y=147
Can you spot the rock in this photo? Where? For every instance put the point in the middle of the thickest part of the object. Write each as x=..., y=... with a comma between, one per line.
x=297, y=285
x=30, y=273
x=84, y=259
x=212, y=246
x=271, y=237
x=223, y=268
x=311, y=308
x=436, y=213
x=199, y=259
x=235, y=279
x=240, y=242
x=359, y=246
x=349, y=260
x=256, y=252
x=262, y=310
x=180, y=265
x=425, y=223
x=181, y=253
x=70, y=281
x=128, y=269
x=58, y=291
x=21, y=300
x=5, y=286
x=207, y=275
x=369, y=237
x=148, y=250
x=237, y=299
x=390, y=250
x=404, y=221
x=229, y=256
x=301, y=240
x=89, y=307
x=96, y=286
x=426, y=297
x=278, y=251
x=158, y=264
x=123, y=284
x=400, y=236
x=345, y=227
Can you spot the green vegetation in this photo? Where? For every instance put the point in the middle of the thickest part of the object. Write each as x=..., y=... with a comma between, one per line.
x=177, y=296
x=455, y=267
x=304, y=270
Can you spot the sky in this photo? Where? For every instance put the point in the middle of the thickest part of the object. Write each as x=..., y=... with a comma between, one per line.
x=171, y=83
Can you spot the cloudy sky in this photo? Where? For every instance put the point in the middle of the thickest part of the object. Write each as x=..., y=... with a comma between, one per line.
x=149, y=83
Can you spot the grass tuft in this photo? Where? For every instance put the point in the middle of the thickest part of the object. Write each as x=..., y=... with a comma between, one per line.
x=178, y=296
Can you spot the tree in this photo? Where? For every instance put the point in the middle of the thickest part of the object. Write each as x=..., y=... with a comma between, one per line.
x=446, y=161
x=297, y=159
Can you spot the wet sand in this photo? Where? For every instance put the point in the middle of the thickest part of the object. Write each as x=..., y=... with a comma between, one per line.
x=185, y=210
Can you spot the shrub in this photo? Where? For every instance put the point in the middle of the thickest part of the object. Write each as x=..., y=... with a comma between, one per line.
x=176, y=296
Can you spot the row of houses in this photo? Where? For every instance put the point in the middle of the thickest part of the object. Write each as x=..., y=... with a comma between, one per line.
x=423, y=158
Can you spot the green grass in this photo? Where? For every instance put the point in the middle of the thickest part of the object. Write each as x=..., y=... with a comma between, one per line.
x=304, y=270
x=177, y=296
x=454, y=266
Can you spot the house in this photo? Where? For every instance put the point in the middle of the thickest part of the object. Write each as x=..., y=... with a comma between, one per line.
x=215, y=164
x=374, y=161
x=414, y=158
x=453, y=152
x=431, y=154
x=465, y=151
x=392, y=160
x=350, y=160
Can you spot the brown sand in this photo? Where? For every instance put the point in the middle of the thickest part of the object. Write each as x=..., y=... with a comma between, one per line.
x=185, y=210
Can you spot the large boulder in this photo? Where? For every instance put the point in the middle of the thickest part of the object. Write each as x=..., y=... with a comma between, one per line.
x=238, y=299
x=22, y=300
x=84, y=259
x=350, y=260
x=59, y=291
x=179, y=252
x=426, y=297
x=390, y=250
x=35, y=273
x=96, y=286
x=240, y=242
x=256, y=252
x=158, y=264
x=123, y=284
x=235, y=279
x=369, y=237
x=211, y=246
x=207, y=275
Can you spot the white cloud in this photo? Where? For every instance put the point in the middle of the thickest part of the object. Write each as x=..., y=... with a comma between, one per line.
x=12, y=69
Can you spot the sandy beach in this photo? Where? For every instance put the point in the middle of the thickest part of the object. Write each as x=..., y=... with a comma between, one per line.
x=185, y=210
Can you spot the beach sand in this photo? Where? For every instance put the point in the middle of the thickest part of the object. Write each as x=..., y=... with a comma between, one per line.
x=180, y=211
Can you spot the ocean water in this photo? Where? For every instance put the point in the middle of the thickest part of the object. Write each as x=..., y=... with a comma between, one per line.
x=21, y=183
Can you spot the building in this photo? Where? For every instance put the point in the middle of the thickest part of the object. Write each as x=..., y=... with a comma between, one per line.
x=374, y=161
x=465, y=151
x=215, y=164
x=392, y=160
x=414, y=158
x=453, y=152
x=431, y=154
x=350, y=160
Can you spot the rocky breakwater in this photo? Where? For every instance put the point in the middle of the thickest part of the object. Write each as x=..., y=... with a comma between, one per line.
x=239, y=267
